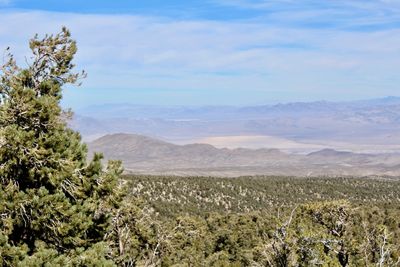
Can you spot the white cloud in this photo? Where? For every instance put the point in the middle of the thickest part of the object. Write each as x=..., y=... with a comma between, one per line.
x=133, y=52
x=338, y=13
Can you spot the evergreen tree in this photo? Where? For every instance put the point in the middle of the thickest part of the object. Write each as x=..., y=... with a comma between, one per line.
x=55, y=207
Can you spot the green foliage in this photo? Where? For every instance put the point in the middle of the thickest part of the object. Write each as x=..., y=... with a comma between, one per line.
x=316, y=234
x=171, y=195
x=55, y=207
x=274, y=221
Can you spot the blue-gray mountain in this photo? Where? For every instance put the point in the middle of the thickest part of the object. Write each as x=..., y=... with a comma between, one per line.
x=371, y=126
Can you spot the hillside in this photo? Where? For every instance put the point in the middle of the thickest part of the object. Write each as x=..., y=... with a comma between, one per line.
x=172, y=196
x=147, y=155
x=370, y=126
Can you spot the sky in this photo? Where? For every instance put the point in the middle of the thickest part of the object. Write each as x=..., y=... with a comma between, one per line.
x=218, y=52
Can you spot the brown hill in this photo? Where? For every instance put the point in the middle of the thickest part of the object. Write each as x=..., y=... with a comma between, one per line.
x=141, y=154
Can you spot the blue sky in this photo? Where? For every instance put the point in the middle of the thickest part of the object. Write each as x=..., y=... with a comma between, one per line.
x=211, y=52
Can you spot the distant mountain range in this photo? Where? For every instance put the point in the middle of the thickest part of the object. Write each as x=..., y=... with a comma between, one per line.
x=371, y=126
x=145, y=155
x=224, y=112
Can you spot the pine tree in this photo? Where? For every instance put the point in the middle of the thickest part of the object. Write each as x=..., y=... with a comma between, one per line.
x=55, y=207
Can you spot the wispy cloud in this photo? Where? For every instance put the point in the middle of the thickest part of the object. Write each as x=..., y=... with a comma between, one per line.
x=343, y=14
x=375, y=6
x=127, y=52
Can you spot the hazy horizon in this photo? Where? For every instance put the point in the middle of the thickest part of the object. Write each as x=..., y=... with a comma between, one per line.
x=260, y=103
